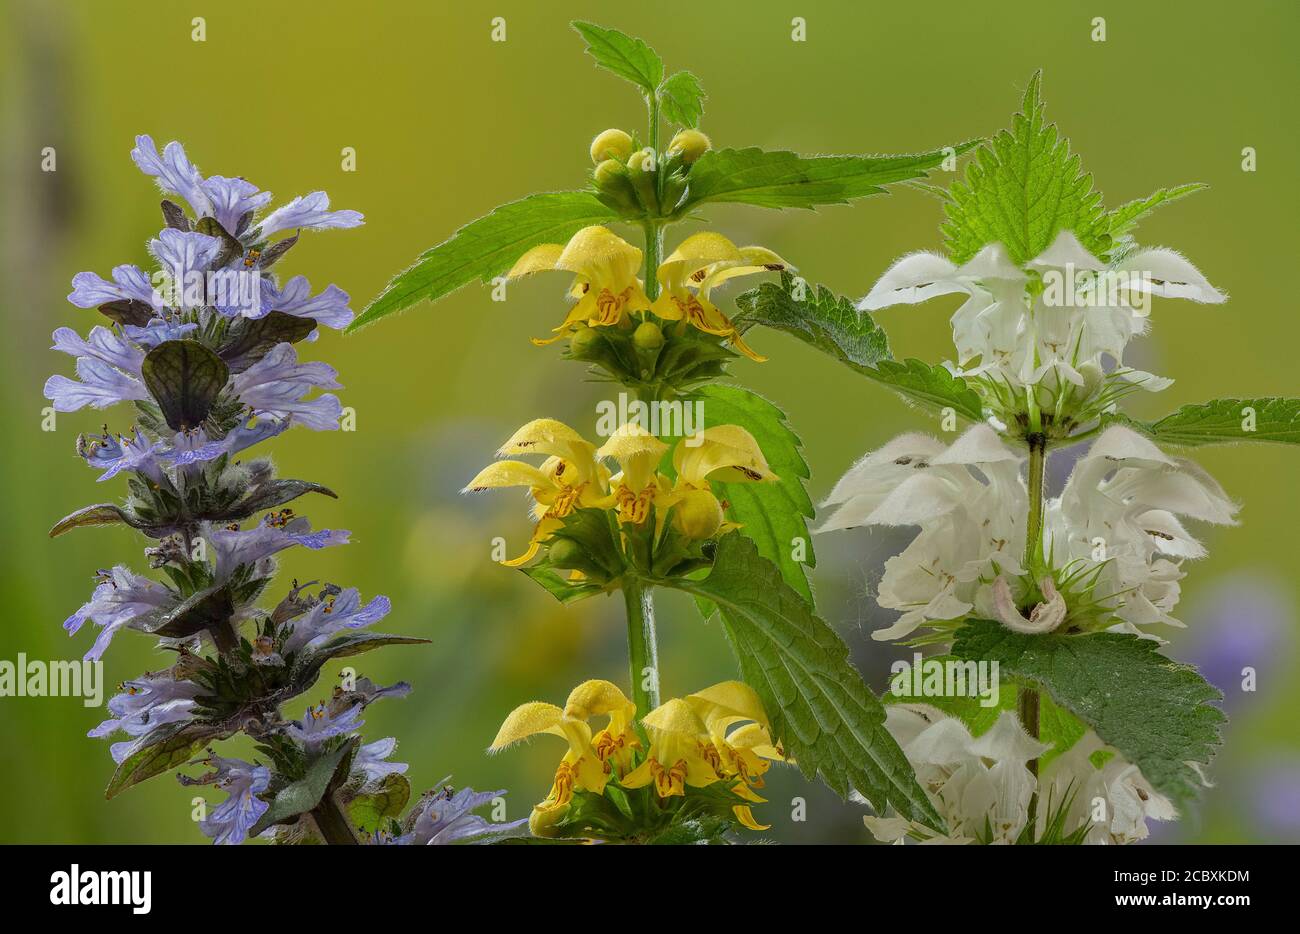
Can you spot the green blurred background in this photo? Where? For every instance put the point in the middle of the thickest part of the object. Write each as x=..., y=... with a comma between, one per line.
x=447, y=124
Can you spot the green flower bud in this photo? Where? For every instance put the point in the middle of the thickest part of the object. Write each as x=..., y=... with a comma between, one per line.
x=648, y=336
x=642, y=166
x=611, y=144
x=691, y=143
x=566, y=553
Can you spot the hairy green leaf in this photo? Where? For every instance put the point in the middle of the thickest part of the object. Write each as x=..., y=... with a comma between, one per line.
x=1021, y=189
x=185, y=378
x=369, y=811
x=784, y=179
x=681, y=98
x=774, y=515
x=820, y=708
x=487, y=247
x=99, y=514
x=299, y=797
x=1156, y=712
x=1223, y=421
x=169, y=746
x=624, y=55
x=1124, y=218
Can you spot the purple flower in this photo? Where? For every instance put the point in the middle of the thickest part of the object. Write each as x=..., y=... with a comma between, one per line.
x=370, y=762
x=277, y=383
x=193, y=447
x=174, y=172
x=122, y=598
x=99, y=384
x=183, y=255
x=320, y=723
x=333, y=615
x=113, y=455
x=308, y=211
x=230, y=821
x=447, y=817
x=129, y=283
x=144, y=705
x=1275, y=800
x=157, y=331
x=232, y=198
x=329, y=308
x=248, y=546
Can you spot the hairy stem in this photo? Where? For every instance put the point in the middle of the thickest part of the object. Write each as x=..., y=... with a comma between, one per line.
x=332, y=824
x=1034, y=525
x=642, y=649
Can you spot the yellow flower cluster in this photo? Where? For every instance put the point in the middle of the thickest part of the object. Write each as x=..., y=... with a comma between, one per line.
x=720, y=734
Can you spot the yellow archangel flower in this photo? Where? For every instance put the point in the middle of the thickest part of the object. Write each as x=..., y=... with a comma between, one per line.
x=593, y=759
x=569, y=478
x=605, y=277
x=702, y=262
x=637, y=486
x=726, y=453
x=690, y=746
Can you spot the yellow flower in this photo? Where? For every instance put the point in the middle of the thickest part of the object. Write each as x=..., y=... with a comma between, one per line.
x=570, y=478
x=691, y=747
x=702, y=262
x=592, y=760
x=636, y=486
x=726, y=453
x=606, y=285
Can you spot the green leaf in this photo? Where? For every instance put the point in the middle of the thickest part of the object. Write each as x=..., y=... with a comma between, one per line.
x=772, y=515
x=681, y=98
x=370, y=810
x=1156, y=712
x=171, y=746
x=1021, y=189
x=1223, y=421
x=487, y=247
x=784, y=179
x=299, y=797
x=99, y=514
x=820, y=708
x=184, y=378
x=559, y=587
x=625, y=56
x=270, y=494
x=1125, y=217
x=831, y=324
x=249, y=339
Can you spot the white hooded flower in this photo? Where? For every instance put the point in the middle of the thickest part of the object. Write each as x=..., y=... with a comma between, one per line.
x=981, y=786
x=1065, y=309
x=1104, y=790
x=969, y=502
x=1120, y=510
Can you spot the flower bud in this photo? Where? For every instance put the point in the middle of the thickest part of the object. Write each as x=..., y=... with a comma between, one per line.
x=1092, y=374
x=543, y=820
x=584, y=343
x=698, y=516
x=566, y=553
x=611, y=144
x=691, y=144
x=642, y=167
x=648, y=336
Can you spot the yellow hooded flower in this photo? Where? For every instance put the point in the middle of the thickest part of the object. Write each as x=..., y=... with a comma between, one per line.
x=702, y=262
x=747, y=752
x=592, y=760
x=677, y=757
x=726, y=453
x=570, y=477
x=636, y=486
x=605, y=269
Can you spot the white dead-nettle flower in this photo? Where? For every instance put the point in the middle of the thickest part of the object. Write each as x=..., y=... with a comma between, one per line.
x=1120, y=510
x=981, y=786
x=1065, y=309
x=969, y=502
x=1105, y=791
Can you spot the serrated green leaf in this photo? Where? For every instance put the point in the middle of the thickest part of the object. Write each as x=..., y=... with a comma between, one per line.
x=1223, y=421
x=773, y=515
x=487, y=247
x=681, y=99
x=184, y=378
x=819, y=706
x=628, y=57
x=1125, y=217
x=782, y=179
x=832, y=324
x=1021, y=189
x=299, y=797
x=1156, y=712
x=170, y=746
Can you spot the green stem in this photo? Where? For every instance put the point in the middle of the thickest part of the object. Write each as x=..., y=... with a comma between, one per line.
x=642, y=650
x=1034, y=525
x=332, y=824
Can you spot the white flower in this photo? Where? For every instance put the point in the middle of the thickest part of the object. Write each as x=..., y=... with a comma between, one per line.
x=1115, y=799
x=969, y=503
x=1120, y=510
x=981, y=786
x=1065, y=309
